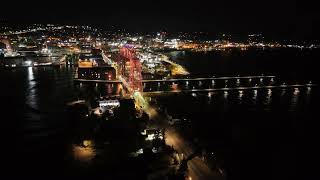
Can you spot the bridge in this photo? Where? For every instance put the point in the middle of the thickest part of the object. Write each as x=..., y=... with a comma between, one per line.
x=178, y=80
x=128, y=68
x=229, y=89
x=158, y=88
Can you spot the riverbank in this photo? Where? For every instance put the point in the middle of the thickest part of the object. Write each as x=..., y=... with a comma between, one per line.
x=176, y=69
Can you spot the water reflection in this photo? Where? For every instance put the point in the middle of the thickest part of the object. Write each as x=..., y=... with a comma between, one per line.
x=283, y=92
x=225, y=94
x=308, y=94
x=261, y=80
x=240, y=95
x=268, y=99
x=308, y=90
x=174, y=87
x=255, y=93
x=109, y=89
x=238, y=82
x=294, y=100
x=84, y=152
x=209, y=97
x=296, y=91
x=31, y=93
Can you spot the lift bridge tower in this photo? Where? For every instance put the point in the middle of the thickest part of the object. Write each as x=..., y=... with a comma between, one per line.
x=131, y=69
x=130, y=74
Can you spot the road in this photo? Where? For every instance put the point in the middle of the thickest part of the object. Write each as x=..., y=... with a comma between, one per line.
x=177, y=69
x=197, y=169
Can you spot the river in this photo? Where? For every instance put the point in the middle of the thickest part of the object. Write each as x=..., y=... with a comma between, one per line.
x=248, y=126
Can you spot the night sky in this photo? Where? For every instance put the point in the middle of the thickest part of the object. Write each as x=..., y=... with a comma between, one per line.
x=273, y=17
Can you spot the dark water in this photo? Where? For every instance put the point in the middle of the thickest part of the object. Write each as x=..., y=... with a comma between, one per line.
x=251, y=126
x=33, y=118
x=287, y=63
x=256, y=132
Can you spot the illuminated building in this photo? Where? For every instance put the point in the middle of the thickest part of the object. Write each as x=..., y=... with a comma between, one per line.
x=90, y=60
x=173, y=43
x=99, y=73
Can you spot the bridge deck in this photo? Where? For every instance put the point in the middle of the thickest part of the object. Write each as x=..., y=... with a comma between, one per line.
x=230, y=89
x=173, y=80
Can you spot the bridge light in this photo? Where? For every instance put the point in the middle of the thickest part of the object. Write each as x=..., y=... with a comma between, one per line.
x=240, y=93
x=225, y=94
x=296, y=91
x=308, y=90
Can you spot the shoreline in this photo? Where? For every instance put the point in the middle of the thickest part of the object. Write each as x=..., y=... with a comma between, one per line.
x=176, y=69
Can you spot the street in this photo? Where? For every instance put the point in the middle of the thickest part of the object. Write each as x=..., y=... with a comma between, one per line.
x=197, y=169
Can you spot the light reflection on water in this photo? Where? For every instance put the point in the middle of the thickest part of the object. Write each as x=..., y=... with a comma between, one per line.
x=268, y=98
x=254, y=97
x=240, y=95
x=225, y=95
x=31, y=94
x=84, y=152
x=294, y=99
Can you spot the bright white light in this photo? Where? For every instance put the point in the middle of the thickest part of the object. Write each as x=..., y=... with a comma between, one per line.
x=225, y=94
x=296, y=91
x=109, y=103
x=240, y=94
x=28, y=63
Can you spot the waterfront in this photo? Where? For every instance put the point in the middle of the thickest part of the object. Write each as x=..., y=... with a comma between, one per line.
x=287, y=63
x=37, y=97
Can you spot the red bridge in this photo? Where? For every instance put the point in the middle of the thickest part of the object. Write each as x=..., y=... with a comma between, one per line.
x=129, y=69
